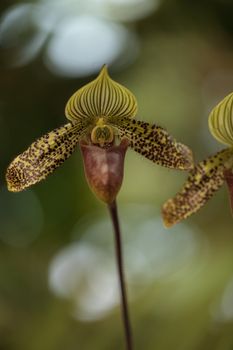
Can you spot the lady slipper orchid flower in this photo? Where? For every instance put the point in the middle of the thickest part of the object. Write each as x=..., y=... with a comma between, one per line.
x=101, y=121
x=209, y=175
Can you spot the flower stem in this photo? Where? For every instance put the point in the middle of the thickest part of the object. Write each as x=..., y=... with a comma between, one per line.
x=120, y=266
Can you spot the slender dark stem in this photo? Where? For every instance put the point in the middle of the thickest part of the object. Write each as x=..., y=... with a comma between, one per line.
x=120, y=266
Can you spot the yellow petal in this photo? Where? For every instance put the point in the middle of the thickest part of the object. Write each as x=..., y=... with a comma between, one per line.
x=221, y=121
x=42, y=157
x=154, y=143
x=204, y=180
x=102, y=97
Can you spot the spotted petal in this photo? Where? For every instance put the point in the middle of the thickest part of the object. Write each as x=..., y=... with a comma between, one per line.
x=42, y=157
x=154, y=143
x=204, y=180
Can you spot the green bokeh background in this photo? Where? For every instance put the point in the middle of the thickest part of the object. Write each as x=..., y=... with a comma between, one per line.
x=184, y=68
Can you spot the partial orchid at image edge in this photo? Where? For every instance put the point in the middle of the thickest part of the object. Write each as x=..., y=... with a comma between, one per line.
x=210, y=174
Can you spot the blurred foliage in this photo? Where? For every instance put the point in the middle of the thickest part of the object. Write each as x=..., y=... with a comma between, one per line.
x=184, y=67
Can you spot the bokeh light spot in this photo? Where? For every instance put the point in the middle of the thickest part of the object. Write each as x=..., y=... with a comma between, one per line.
x=85, y=271
x=81, y=45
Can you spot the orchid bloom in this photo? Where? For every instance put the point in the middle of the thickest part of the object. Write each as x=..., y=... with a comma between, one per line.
x=101, y=120
x=209, y=175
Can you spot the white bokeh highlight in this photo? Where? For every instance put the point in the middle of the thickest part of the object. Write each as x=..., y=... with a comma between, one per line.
x=85, y=271
x=77, y=37
x=81, y=45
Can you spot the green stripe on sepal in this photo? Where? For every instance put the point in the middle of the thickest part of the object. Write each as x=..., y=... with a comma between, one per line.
x=221, y=121
x=102, y=97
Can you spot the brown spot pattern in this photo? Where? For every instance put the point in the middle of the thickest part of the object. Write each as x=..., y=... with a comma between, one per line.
x=43, y=157
x=204, y=180
x=98, y=111
x=154, y=143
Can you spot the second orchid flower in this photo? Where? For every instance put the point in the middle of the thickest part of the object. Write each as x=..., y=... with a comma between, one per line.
x=209, y=175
